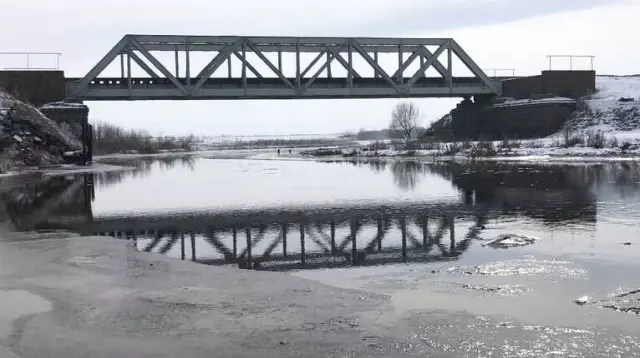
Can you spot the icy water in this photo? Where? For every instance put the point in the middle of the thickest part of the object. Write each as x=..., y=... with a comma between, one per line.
x=415, y=231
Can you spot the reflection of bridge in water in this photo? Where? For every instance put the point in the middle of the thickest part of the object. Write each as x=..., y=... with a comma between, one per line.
x=313, y=237
x=304, y=238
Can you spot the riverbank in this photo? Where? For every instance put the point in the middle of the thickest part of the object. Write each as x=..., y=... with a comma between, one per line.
x=104, y=299
x=118, y=302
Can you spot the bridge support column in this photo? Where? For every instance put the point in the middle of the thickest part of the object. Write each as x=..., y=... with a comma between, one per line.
x=303, y=258
x=73, y=118
x=483, y=100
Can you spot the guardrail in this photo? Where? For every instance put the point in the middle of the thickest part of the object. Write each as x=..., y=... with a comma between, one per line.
x=503, y=72
x=30, y=61
x=571, y=59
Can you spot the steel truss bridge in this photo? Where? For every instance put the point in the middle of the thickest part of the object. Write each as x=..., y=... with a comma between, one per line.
x=323, y=67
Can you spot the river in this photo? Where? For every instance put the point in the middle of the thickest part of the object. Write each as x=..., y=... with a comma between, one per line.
x=416, y=231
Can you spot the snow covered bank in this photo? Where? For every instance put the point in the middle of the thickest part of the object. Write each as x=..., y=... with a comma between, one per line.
x=613, y=109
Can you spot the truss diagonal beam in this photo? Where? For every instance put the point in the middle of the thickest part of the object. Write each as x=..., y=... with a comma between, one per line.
x=318, y=242
x=256, y=241
x=425, y=66
x=326, y=65
x=118, y=49
x=343, y=62
x=475, y=69
x=248, y=64
x=158, y=65
x=273, y=245
x=313, y=63
x=427, y=54
x=214, y=241
x=406, y=63
x=143, y=65
x=270, y=65
x=169, y=244
x=380, y=235
x=375, y=65
x=214, y=64
x=152, y=244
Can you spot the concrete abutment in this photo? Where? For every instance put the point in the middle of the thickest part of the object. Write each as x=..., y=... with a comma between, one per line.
x=529, y=108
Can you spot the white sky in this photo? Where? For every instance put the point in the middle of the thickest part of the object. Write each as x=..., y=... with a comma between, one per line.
x=496, y=34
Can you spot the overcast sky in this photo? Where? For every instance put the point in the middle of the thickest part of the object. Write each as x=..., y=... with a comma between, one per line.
x=496, y=34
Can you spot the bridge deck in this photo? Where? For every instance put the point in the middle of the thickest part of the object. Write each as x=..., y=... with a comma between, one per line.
x=113, y=88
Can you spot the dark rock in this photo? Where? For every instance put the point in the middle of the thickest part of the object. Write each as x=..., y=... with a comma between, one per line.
x=28, y=138
x=41, y=126
x=627, y=99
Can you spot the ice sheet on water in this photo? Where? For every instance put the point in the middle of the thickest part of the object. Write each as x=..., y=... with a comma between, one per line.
x=624, y=301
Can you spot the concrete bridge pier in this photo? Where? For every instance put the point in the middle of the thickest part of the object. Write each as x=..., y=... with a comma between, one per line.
x=73, y=117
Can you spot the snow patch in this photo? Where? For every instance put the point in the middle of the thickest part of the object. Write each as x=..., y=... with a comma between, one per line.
x=529, y=102
x=65, y=105
x=615, y=106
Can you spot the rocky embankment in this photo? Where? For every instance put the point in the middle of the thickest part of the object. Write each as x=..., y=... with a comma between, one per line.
x=29, y=139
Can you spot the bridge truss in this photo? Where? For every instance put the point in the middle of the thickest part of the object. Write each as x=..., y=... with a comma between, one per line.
x=319, y=67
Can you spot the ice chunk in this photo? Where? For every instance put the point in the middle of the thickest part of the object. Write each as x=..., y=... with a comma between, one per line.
x=511, y=240
x=582, y=300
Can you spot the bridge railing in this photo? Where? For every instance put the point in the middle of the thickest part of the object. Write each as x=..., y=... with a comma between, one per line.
x=572, y=61
x=30, y=61
x=500, y=72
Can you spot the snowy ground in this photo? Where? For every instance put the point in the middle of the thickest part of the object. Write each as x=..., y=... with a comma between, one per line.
x=614, y=108
x=613, y=111
x=529, y=102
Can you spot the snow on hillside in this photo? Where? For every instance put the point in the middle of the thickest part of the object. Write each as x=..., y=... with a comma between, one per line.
x=613, y=108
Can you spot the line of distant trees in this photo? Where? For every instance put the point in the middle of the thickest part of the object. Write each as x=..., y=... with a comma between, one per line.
x=381, y=134
x=109, y=139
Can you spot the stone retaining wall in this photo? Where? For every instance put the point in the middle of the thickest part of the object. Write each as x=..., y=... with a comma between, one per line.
x=534, y=120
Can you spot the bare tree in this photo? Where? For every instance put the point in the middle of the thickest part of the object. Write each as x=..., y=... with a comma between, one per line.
x=404, y=119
